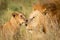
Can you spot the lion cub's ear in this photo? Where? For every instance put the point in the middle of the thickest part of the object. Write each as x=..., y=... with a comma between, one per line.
x=14, y=14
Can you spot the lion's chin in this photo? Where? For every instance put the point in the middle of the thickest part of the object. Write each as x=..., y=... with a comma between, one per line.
x=23, y=23
x=30, y=31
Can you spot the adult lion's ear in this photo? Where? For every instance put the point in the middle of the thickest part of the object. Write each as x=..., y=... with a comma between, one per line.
x=14, y=14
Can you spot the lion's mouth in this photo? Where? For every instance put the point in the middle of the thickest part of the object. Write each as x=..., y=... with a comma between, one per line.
x=30, y=31
x=23, y=23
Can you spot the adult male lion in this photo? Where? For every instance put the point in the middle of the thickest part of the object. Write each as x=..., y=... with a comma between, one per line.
x=43, y=20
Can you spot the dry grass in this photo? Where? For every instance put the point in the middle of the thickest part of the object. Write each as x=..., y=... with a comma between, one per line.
x=25, y=7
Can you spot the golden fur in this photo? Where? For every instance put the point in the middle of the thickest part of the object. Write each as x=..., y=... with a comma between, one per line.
x=42, y=21
x=10, y=28
x=41, y=16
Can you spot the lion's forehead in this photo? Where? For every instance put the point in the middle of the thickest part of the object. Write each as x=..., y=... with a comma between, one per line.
x=34, y=13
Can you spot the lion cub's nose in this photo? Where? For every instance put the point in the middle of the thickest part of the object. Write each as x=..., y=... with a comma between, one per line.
x=26, y=20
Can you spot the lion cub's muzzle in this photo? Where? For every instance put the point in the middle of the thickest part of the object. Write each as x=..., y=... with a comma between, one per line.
x=24, y=23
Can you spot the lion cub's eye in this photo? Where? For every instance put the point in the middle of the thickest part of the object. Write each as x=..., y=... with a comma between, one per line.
x=21, y=16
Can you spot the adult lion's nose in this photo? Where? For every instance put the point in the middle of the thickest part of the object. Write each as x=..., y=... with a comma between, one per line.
x=25, y=24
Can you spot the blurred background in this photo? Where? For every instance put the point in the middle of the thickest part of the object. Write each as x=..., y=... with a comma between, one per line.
x=25, y=6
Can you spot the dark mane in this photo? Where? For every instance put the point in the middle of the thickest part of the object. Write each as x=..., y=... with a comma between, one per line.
x=50, y=7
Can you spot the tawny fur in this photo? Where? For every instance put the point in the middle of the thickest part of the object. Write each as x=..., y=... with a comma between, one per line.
x=10, y=28
x=41, y=20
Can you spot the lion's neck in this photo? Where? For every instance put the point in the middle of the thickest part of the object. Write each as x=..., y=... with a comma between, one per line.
x=14, y=22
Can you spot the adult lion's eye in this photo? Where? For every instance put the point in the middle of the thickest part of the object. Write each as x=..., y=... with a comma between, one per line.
x=33, y=17
x=45, y=12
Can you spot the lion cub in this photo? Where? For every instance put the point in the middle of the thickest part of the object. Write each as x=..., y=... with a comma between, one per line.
x=9, y=28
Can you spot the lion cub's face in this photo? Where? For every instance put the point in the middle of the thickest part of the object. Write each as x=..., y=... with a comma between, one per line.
x=19, y=17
